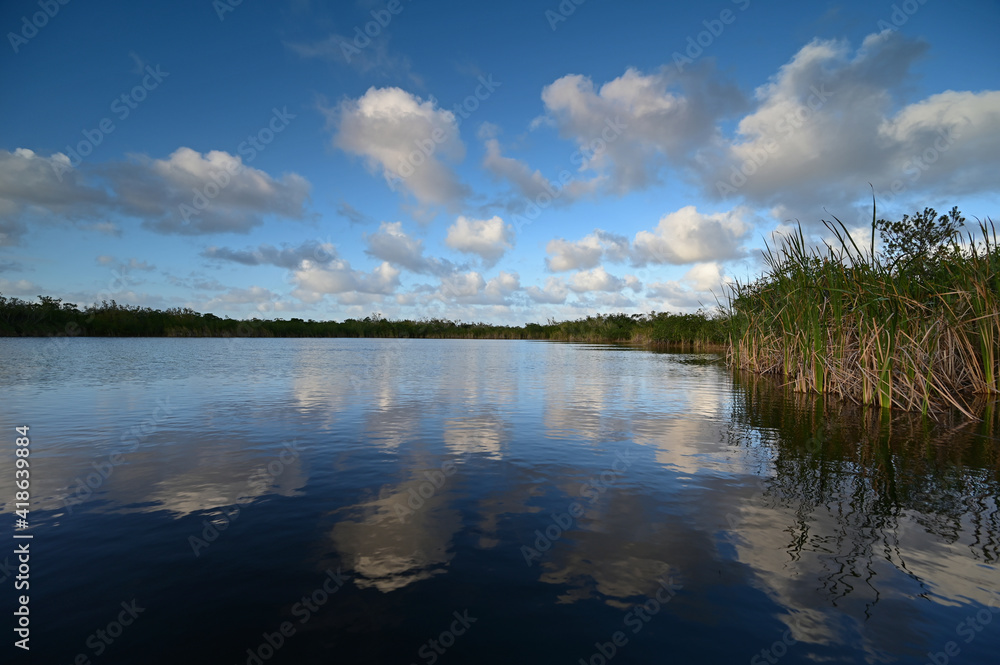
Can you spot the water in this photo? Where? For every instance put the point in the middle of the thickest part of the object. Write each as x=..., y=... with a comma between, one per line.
x=451, y=501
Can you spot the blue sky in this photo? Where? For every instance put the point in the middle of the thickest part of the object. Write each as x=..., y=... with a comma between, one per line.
x=504, y=162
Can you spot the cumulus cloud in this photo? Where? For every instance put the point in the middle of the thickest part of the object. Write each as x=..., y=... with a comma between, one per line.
x=191, y=194
x=597, y=279
x=462, y=285
x=587, y=252
x=831, y=120
x=19, y=287
x=529, y=187
x=503, y=285
x=698, y=287
x=392, y=244
x=687, y=236
x=313, y=280
x=33, y=188
x=160, y=192
x=554, y=293
x=265, y=254
x=404, y=139
x=263, y=300
x=488, y=238
x=706, y=276
x=471, y=288
x=633, y=124
x=353, y=215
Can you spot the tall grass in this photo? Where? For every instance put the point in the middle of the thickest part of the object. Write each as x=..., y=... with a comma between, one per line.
x=919, y=335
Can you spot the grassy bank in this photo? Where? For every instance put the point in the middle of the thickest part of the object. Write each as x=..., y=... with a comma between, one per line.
x=915, y=326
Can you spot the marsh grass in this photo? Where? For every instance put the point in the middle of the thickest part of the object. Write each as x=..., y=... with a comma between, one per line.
x=918, y=334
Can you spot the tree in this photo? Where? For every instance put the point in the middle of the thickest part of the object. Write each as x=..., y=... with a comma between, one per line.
x=920, y=243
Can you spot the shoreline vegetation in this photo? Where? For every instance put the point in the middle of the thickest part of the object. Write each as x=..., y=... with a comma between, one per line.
x=913, y=327
x=50, y=317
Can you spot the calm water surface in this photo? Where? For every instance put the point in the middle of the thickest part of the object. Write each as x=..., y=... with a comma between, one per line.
x=426, y=501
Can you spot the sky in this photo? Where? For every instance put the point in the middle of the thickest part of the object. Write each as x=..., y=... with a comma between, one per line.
x=499, y=162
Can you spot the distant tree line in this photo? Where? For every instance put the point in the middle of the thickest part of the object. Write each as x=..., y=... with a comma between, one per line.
x=53, y=317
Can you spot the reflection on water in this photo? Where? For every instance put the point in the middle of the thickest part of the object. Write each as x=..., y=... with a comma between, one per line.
x=870, y=509
x=553, y=491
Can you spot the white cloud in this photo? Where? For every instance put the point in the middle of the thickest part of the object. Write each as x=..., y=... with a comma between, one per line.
x=632, y=282
x=700, y=286
x=470, y=288
x=529, y=183
x=313, y=281
x=160, y=192
x=282, y=257
x=392, y=244
x=488, y=238
x=630, y=126
x=579, y=255
x=503, y=285
x=687, y=236
x=462, y=286
x=830, y=121
x=405, y=139
x=587, y=252
x=262, y=299
x=705, y=276
x=554, y=293
x=597, y=279
x=19, y=287
x=191, y=194
x=33, y=188
x=531, y=188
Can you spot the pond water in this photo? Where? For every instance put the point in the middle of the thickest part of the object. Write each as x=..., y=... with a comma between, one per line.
x=456, y=501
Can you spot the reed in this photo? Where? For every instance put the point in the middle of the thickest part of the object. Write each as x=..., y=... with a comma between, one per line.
x=915, y=330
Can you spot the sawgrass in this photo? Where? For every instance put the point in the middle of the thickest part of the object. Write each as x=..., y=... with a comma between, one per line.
x=920, y=335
